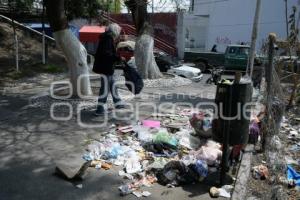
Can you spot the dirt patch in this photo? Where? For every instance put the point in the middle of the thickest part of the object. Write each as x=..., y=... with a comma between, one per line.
x=30, y=56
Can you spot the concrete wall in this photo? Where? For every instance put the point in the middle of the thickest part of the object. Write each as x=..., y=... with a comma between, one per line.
x=231, y=21
x=192, y=32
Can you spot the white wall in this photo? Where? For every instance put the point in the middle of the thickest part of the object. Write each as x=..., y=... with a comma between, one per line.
x=231, y=21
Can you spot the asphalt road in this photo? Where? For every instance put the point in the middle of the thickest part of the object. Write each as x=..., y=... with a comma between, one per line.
x=31, y=143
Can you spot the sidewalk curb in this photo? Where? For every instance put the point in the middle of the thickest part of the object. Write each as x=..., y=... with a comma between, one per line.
x=240, y=189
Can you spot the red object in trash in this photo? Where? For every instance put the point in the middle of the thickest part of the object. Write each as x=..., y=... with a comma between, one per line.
x=91, y=33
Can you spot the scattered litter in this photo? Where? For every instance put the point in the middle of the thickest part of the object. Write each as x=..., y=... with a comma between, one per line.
x=214, y=192
x=187, y=140
x=125, y=189
x=125, y=129
x=275, y=143
x=176, y=173
x=295, y=147
x=166, y=151
x=138, y=194
x=254, y=132
x=151, y=123
x=293, y=134
x=210, y=153
x=164, y=137
x=132, y=165
x=123, y=174
x=224, y=191
x=146, y=193
x=202, y=123
x=202, y=169
x=260, y=172
x=158, y=163
x=290, y=161
x=293, y=175
x=284, y=181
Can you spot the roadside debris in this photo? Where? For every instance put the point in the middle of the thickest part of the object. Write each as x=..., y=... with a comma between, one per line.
x=292, y=175
x=224, y=191
x=260, y=172
x=171, y=149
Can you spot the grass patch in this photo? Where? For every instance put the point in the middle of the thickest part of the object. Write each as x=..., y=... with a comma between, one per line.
x=30, y=71
x=49, y=68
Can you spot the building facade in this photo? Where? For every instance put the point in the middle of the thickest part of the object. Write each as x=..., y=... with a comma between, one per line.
x=224, y=22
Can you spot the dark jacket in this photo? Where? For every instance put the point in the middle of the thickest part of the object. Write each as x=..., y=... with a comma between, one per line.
x=106, y=55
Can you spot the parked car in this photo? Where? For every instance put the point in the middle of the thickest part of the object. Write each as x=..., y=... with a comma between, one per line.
x=185, y=71
x=163, y=60
x=234, y=58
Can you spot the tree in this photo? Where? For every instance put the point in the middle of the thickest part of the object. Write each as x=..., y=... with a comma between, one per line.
x=89, y=8
x=21, y=5
x=74, y=51
x=143, y=53
x=294, y=31
x=82, y=8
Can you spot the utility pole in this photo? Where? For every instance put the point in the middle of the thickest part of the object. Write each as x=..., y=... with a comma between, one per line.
x=286, y=20
x=253, y=39
x=152, y=6
x=43, y=39
x=192, y=6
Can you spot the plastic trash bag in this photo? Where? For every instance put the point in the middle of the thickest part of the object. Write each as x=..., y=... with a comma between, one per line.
x=176, y=173
x=202, y=169
x=210, y=153
x=202, y=124
x=293, y=175
x=134, y=81
x=165, y=137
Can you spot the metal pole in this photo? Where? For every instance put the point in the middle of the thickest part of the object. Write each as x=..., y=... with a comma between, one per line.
x=43, y=38
x=254, y=37
x=226, y=137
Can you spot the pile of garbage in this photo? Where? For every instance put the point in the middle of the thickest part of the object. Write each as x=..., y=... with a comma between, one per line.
x=168, y=151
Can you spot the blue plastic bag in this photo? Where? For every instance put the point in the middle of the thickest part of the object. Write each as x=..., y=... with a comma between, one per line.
x=293, y=175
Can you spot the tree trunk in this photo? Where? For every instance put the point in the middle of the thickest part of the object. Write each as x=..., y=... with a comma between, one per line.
x=144, y=57
x=76, y=54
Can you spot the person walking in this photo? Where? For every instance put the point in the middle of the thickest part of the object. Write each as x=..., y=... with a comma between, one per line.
x=105, y=58
x=214, y=48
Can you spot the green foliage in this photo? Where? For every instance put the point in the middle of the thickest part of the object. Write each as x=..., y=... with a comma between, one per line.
x=82, y=8
x=90, y=8
x=20, y=5
x=293, y=37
